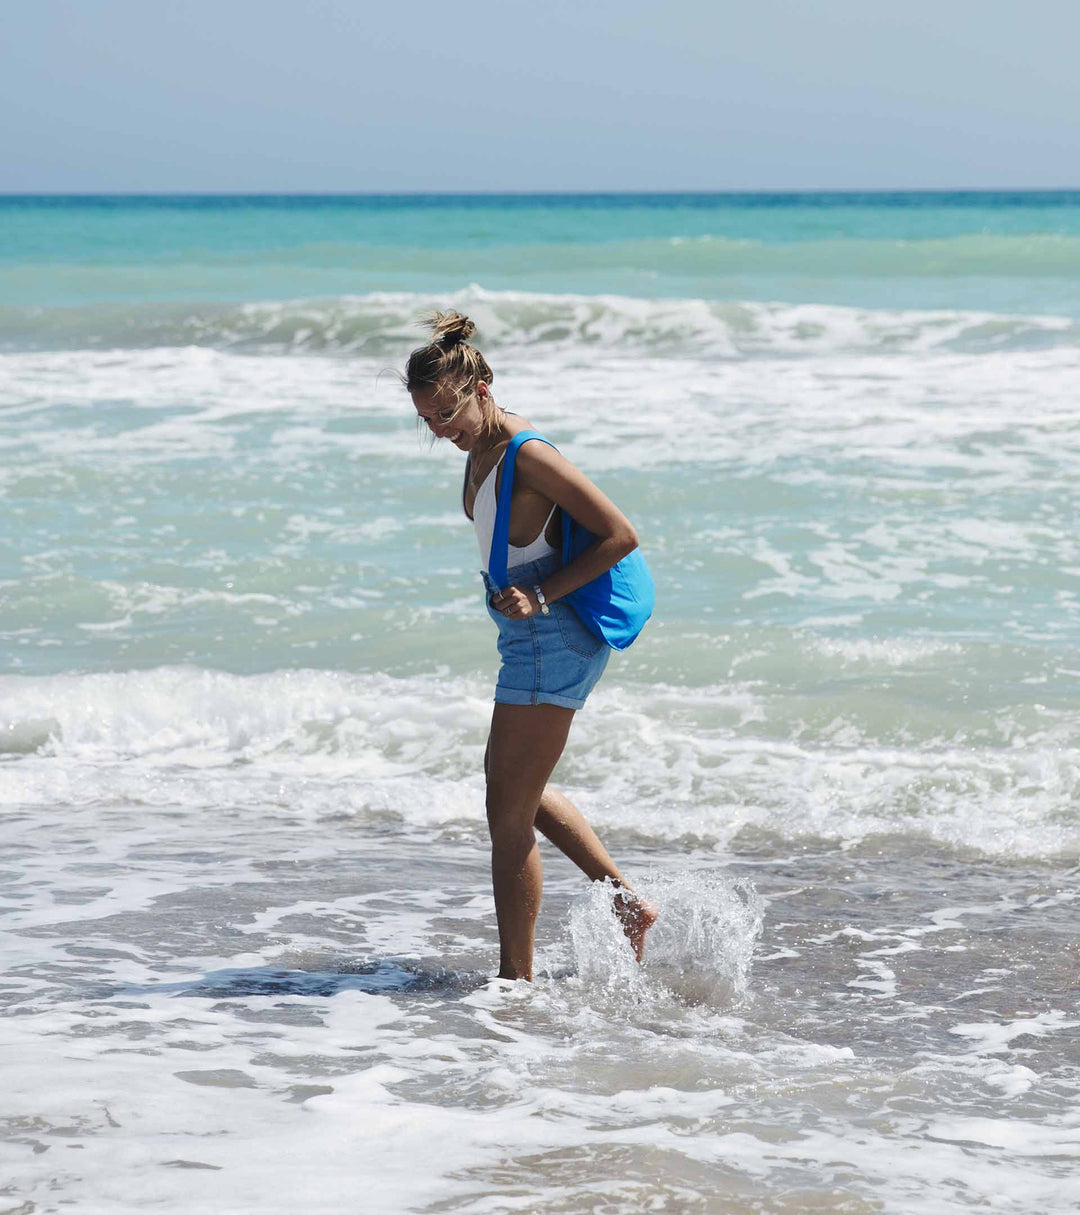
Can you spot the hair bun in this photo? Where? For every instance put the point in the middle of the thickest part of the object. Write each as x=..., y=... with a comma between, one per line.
x=450, y=328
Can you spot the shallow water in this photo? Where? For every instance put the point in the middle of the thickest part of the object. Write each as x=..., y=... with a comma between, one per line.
x=280, y=1013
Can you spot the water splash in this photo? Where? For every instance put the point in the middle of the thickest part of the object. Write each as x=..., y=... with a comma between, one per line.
x=699, y=951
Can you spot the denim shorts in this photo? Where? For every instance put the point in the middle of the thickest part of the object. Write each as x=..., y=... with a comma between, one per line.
x=546, y=660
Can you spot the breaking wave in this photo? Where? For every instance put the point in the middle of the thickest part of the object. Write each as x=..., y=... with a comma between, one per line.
x=385, y=324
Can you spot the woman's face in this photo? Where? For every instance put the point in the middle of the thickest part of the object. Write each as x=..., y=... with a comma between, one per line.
x=461, y=424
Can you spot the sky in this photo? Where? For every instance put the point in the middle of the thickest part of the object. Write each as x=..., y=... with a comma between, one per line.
x=102, y=96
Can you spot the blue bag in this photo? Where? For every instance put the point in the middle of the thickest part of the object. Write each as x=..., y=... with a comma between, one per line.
x=615, y=605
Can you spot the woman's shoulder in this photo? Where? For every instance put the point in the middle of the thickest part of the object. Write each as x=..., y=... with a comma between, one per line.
x=528, y=450
x=539, y=462
x=534, y=455
x=515, y=423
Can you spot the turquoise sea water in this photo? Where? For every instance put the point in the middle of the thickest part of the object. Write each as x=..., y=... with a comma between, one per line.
x=1004, y=251
x=245, y=680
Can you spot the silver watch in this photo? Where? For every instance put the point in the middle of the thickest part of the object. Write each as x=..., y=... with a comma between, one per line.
x=541, y=601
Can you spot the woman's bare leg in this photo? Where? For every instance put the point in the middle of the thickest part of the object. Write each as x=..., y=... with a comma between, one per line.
x=565, y=826
x=523, y=748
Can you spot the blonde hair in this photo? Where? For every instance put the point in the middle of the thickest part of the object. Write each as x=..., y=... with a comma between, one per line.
x=450, y=367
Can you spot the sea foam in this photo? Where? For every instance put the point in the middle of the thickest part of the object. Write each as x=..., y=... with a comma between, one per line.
x=384, y=324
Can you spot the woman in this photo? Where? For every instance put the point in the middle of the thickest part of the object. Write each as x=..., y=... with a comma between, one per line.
x=550, y=660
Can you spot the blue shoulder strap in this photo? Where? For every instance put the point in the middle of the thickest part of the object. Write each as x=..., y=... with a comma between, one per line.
x=500, y=538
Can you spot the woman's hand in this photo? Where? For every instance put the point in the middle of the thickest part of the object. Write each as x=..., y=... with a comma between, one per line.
x=515, y=603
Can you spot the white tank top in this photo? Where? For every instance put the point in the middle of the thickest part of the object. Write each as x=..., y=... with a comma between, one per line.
x=484, y=522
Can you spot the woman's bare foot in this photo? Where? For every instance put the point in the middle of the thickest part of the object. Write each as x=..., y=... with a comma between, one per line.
x=637, y=917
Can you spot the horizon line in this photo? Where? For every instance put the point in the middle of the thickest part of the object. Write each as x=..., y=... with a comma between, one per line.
x=539, y=193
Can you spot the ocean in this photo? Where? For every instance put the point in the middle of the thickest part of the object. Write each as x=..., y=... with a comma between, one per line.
x=245, y=684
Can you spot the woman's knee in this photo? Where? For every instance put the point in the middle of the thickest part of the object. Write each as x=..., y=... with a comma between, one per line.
x=503, y=813
x=511, y=847
x=509, y=820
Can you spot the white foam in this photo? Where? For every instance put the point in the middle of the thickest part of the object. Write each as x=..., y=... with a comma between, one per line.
x=665, y=763
x=888, y=652
x=382, y=322
x=995, y=1037
x=1020, y=1138
x=699, y=948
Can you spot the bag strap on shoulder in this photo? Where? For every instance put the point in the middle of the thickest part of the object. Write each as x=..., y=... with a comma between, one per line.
x=500, y=538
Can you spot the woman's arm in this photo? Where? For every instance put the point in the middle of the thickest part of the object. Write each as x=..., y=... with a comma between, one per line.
x=545, y=470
